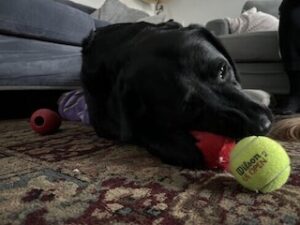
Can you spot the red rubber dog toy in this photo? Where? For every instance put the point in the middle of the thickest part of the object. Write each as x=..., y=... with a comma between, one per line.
x=215, y=149
x=45, y=121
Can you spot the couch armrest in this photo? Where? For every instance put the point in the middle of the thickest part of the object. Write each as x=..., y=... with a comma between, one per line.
x=218, y=27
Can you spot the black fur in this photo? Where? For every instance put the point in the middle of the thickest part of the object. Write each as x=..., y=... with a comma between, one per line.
x=153, y=84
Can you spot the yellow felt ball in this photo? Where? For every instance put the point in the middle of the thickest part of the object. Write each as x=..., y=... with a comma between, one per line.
x=260, y=164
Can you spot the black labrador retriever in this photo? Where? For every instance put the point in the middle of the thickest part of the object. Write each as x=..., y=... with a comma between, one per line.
x=152, y=84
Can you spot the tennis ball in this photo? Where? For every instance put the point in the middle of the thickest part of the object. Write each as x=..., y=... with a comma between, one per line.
x=260, y=164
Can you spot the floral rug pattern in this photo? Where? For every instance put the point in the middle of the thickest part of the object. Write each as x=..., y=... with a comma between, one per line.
x=72, y=177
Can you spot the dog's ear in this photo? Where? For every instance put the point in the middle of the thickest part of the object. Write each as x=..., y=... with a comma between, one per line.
x=170, y=24
x=106, y=51
x=131, y=110
x=217, y=44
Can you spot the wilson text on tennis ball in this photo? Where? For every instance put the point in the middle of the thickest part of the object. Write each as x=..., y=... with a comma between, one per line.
x=251, y=166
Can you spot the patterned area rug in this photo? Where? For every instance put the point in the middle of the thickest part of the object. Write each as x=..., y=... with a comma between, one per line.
x=73, y=177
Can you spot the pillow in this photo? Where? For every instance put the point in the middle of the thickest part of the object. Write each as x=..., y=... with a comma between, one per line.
x=114, y=11
x=252, y=21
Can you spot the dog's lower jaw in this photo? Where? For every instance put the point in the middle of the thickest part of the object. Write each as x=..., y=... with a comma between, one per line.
x=175, y=147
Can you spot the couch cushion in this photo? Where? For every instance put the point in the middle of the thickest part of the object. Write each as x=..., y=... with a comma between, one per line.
x=45, y=20
x=30, y=63
x=253, y=47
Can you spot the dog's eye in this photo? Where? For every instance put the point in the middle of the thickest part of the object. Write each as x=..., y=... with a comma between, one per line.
x=222, y=72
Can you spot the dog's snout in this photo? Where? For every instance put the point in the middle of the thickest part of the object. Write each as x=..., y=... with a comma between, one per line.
x=264, y=123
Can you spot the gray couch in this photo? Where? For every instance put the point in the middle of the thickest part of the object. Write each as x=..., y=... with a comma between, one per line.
x=256, y=54
x=40, y=43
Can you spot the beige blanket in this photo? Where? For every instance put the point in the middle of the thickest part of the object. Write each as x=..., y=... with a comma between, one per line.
x=253, y=21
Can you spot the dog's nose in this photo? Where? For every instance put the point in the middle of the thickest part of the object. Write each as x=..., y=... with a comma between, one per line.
x=265, y=124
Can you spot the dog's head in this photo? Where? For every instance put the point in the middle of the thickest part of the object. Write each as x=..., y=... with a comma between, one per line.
x=167, y=77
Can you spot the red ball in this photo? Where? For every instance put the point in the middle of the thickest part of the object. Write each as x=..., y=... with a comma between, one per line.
x=45, y=121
